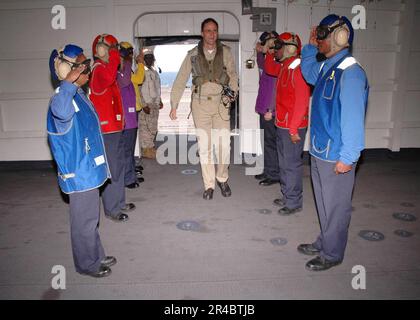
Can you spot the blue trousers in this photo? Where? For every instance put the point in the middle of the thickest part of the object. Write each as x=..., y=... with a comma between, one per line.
x=291, y=167
x=113, y=194
x=333, y=195
x=271, y=162
x=129, y=138
x=84, y=229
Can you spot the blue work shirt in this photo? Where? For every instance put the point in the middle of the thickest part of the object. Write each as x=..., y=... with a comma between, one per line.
x=353, y=99
x=75, y=139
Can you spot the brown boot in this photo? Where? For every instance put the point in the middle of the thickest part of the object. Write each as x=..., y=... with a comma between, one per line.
x=145, y=153
x=149, y=153
x=152, y=153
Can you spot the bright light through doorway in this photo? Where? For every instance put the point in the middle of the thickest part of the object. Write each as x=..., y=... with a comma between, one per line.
x=169, y=59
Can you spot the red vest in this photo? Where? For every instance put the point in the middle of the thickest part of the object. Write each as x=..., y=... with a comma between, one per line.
x=105, y=95
x=293, y=93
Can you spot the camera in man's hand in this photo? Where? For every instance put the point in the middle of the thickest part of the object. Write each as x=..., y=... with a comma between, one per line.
x=228, y=95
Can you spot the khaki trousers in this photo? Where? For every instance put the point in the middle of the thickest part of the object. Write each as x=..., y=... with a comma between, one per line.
x=212, y=123
x=148, y=127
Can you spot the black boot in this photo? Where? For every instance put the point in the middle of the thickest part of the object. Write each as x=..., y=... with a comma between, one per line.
x=224, y=187
x=208, y=194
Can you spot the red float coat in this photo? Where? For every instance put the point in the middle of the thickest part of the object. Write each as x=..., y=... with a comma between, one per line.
x=292, y=97
x=105, y=94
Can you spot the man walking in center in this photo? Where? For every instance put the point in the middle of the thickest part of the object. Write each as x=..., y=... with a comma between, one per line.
x=213, y=69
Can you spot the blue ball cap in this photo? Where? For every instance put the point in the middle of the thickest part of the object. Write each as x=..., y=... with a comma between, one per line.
x=330, y=19
x=70, y=51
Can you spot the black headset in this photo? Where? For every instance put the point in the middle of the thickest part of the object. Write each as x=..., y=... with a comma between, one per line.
x=322, y=32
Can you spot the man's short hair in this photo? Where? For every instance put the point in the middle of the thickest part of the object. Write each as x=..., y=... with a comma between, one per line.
x=207, y=21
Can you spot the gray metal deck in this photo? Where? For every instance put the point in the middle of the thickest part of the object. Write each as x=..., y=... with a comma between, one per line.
x=231, y=256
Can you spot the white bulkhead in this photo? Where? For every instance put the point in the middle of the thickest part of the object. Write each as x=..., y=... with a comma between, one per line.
x=388, y=49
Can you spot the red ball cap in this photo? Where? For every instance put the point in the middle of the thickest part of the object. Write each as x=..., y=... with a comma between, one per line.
x=291, y=39
x=107, y=39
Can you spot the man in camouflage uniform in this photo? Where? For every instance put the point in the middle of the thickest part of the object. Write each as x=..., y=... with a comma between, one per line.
x=212, y=67
x=152, y=103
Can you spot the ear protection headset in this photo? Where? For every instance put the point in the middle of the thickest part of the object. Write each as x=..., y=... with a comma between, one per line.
x=291, y=47
x=102, y=47
x=102, y=44
x=291, y=43
x=64, y=66
x=265, y=36
x=63, y=60
x=340, y=33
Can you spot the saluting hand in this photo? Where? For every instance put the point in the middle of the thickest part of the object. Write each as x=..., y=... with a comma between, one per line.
x=74, y=74
x=259, y=48
x=312, y=37
x=140, y=58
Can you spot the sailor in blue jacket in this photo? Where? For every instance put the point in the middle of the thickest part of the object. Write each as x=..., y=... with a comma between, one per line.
x=76, y=144
x=337, y=128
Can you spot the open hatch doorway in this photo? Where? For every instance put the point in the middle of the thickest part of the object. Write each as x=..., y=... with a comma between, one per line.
x=169, y=58
x=172, y=35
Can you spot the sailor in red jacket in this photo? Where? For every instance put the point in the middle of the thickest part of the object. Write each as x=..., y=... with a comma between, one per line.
x=292, y=104
x=106, y=98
